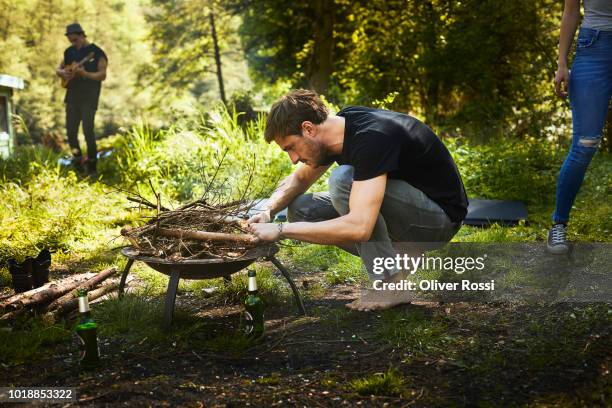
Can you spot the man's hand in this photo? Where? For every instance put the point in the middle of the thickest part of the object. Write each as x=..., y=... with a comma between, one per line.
x=561, y=81
x=267, y=232
x=262, y=217
x=80, y=71
x=62, y=73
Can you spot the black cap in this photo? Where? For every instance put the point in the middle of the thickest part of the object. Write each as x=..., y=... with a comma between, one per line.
x=74, y=28
x=251, y=273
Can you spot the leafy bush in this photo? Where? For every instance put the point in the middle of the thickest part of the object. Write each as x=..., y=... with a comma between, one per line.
x=185, y=158
x=55, y=210
x=523, y=170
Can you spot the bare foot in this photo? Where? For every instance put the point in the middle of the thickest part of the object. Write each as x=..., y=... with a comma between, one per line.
x=366, y=306
x=381, y=300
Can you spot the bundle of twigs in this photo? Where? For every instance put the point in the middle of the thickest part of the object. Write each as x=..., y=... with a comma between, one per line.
x=205, y=228
x=195, y=230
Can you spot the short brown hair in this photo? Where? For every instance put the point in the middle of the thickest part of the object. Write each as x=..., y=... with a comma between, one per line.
x=288, y=113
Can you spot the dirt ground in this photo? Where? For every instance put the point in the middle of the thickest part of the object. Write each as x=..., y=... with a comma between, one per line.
x=482, y=356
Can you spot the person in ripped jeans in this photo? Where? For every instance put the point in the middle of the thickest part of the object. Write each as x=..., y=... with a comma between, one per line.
x=589, y=86
x=396, y=183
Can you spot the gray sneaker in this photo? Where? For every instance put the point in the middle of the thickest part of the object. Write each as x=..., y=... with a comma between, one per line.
x=557, y=239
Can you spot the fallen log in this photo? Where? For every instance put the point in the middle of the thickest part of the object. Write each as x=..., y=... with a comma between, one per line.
x=58, y=289
x=13, y=315
x=88, y=285
x=7, y=303
x=69, y=304
x=208, y=236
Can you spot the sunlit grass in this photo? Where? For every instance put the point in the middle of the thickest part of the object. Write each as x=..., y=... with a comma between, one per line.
x=389, y=383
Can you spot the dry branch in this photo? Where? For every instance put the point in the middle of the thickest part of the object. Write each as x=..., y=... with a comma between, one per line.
x=208, y=236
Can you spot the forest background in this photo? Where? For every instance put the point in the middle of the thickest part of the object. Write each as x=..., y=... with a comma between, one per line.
x=474, y=69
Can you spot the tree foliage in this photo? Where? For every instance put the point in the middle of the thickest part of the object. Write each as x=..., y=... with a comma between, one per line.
x=32, y=42
x=468, y=64
x=188, y=38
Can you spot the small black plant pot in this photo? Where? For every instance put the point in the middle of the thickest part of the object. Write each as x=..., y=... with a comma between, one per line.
x=40, y=271
x=22, y=283
x=21, y=274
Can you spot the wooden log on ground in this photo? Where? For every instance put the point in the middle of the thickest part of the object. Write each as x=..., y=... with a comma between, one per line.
x=208, y=236
x=13, y=315
x=58, y=289
x=7, y=303
x=88, y=285
x=67, y=305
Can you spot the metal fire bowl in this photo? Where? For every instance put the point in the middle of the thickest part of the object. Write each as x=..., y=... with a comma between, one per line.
x=203, y=268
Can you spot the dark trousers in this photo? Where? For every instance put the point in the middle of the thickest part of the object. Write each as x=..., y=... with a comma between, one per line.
x=75, y=114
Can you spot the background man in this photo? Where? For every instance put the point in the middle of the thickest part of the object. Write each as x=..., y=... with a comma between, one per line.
x=396, y=182
x=83, y=92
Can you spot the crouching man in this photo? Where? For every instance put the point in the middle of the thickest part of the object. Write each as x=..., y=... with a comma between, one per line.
x=396, y=183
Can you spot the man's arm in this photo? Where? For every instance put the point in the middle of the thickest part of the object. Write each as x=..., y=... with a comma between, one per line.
x=289, y=188
x=99, y=75
x=356, y=226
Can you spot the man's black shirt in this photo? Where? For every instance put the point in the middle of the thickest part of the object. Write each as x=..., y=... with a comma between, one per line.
x=378, y=141
x=84, y=90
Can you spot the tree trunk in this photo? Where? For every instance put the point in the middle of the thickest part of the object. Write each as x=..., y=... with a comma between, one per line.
x=321, y=62
x=213, y=33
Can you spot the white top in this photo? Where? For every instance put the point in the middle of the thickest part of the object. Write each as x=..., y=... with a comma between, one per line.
x=598, y=14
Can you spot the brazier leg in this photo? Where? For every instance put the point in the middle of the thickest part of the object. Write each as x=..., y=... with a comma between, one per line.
x=296, y=293
x=124, y=276
x=170, y=299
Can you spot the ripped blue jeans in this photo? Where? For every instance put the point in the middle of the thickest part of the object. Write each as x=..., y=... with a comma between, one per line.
x=590, y=90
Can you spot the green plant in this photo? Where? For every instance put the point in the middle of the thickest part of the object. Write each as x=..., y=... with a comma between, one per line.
x=30, y=338
x=389, y=383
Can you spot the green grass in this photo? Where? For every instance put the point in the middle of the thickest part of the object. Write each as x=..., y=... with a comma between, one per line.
x=133, y=317
x=338, y=265
x=30, y=339
x=389, y=383
x=137, y=318
x=414, y=331
x=273, y=289
x=273, y=379
x=44, y=205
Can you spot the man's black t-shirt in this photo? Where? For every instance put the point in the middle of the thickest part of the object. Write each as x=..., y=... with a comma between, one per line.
x=84, y=90
x=378, y=141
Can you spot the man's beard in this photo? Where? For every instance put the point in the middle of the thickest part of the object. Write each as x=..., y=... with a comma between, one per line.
x=319, y=155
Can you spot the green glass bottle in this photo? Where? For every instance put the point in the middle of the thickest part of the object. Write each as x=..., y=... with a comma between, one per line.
x=87, y=330
x=253, y=310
